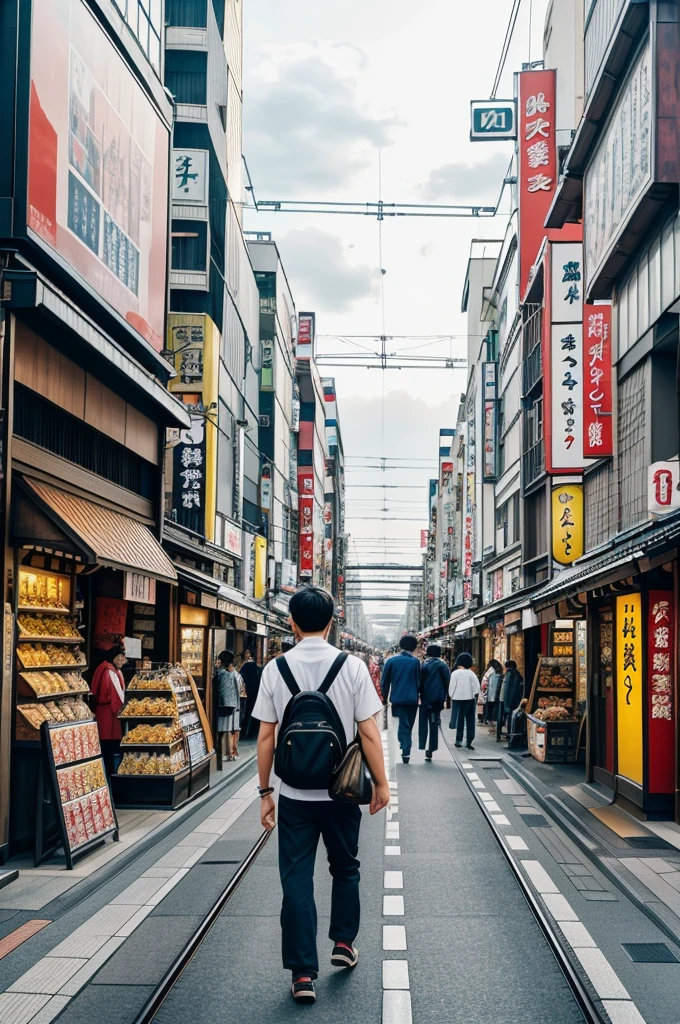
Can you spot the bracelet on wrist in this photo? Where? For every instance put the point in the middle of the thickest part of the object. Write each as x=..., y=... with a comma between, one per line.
x=266, y=791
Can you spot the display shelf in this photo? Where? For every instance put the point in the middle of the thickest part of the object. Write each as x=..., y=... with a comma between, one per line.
x=147, y=718
x=30, y=638
x=41, y=698
x=83, y=666
x=554, y=689
x=172, y=745
x=159, y=791
x=35, y=610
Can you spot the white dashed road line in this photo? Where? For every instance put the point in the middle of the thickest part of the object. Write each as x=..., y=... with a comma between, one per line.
x=603, y=978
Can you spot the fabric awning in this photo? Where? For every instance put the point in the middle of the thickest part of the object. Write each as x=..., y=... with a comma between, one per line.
x=103, y=535
x=464, y=626
x=199, y=580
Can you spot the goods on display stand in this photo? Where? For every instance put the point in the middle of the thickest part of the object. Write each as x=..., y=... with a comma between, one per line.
x=553, y=724
x=167, y=743
x=80, y=792
x=193, y=649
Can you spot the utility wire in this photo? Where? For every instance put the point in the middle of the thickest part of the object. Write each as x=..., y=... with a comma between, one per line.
x=506, y=46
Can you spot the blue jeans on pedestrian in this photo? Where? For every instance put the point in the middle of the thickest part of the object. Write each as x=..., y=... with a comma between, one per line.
x=405, y=714
x=463, y=713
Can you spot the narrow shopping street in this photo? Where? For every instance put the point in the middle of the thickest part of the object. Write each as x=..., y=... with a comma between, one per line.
x=447, y=931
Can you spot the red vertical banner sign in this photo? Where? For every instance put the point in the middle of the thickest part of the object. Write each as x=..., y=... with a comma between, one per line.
x=660, y=704
x=306, y=516
x=537, y=164
x=598, y=439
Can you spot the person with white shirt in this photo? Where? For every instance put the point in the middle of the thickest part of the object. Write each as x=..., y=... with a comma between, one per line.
x=463, y=691
x=305, y=815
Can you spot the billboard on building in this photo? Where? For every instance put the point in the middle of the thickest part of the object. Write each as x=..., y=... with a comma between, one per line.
x=563, y=357
x=567, y=523
x=306, y=333
x=537, y=164
x=97, y=165
x=598, y=430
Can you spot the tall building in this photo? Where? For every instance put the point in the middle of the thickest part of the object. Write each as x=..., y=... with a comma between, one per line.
x=84, y=173
x=279, y=422
x=216, y=527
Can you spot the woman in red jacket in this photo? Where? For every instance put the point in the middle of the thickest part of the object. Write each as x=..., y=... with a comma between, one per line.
x=108, y=697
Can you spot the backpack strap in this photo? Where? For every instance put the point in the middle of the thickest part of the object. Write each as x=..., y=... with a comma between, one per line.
x=287, y=675
x=332, y=673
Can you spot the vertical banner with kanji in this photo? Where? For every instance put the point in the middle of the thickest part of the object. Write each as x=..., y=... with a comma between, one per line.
x=660, y=704
x=564, y=452
x=629, y=708
x=537, y=164
x=188, y=480
x=598, y=440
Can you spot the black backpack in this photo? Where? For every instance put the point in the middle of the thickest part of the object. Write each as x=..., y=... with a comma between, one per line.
x=312, y=741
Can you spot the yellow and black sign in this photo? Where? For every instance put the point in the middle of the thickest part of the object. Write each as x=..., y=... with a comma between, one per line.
x=629, y=686
x=567, y=523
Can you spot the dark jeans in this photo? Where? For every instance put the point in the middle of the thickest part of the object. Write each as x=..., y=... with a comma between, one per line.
x=428, y=723
x=501, y=715
x=490, y=711
x=406, y=716
x=301, y=822
x=463, y=717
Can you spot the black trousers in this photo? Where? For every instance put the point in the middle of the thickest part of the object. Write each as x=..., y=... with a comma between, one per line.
x=463, y=718
x=429, y=718
x=406, y=716
x=301, y=823
x=501, y=715
x=490, y=711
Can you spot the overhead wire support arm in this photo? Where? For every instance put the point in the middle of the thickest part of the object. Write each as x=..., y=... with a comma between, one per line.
x=379, y=209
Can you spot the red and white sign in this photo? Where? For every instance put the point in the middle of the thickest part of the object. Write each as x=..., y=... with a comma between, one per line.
x=537, y=165
x=663, y=495
x=660, y=703
x=598, y=440
x=305, y=339
x=424, y=534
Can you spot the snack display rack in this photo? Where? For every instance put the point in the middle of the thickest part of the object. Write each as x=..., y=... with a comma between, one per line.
x=553, y=726
x=166, y=744
x=79, y=792
x=49, y=655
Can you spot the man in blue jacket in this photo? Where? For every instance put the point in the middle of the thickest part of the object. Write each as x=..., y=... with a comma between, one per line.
x=434, y=687
x=401, y=682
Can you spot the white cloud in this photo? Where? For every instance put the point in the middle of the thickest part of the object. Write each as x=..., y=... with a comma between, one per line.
x=321, y=275
x=305, y=128
x=478, y=181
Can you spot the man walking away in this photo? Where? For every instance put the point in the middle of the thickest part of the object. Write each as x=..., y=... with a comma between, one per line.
x=401, y=683
x=250, y=673
x=434, y=683
x=307, y=814
x=463, y=690
x=512, y=692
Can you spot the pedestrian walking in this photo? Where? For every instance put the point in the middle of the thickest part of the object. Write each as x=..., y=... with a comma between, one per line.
x=305, y=814
x=434, y=687
x=401, y=684
x=494, y=679
x=251, y=674
x=463, y=690
x=108, y=696
x=511, y=694
x=228, y=684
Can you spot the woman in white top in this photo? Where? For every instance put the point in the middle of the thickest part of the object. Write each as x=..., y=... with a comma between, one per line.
x=463, y=690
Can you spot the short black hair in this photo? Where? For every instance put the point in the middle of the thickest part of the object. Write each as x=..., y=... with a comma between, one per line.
x=464, y=660
x=512, y=664
x=434, y=651
x=408, y=642
x=311, y=609
x=226, y=658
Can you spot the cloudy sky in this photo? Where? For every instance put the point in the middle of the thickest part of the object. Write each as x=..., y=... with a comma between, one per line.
x=347, y=98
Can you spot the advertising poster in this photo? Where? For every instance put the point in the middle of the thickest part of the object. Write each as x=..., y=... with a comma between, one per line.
x=598, y=439
x=660, y=710
x=629, y=686
x=98, y=165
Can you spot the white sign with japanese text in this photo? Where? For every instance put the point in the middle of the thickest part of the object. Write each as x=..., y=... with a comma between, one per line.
x=663, y=479
x=190, y=176
x=567, y=283
x=567, y=396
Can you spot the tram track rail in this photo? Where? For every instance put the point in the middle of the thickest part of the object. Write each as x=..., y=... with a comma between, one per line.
x=587, y=1005
x=191, y=947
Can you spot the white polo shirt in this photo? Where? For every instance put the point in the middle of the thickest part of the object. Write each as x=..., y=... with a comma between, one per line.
x=352, y=693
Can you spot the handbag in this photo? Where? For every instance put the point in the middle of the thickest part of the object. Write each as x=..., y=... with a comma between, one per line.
x=351, y=782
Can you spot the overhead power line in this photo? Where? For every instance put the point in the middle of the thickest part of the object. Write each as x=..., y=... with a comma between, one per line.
x=509, y=32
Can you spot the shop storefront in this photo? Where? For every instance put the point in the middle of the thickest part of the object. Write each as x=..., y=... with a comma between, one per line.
x=86, y=578
x=624, y=664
